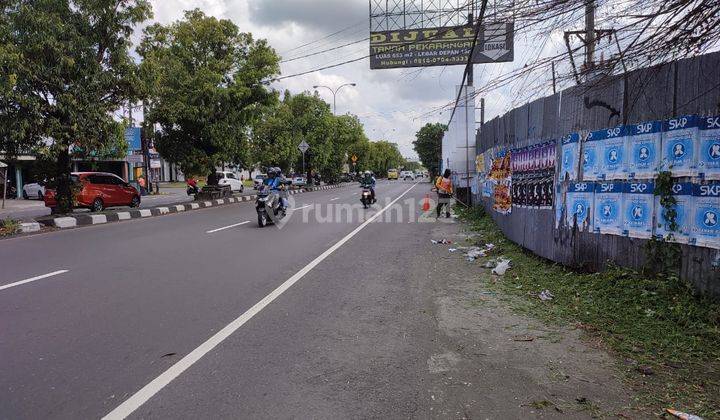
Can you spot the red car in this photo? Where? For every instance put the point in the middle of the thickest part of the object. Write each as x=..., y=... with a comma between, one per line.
x=98, y=191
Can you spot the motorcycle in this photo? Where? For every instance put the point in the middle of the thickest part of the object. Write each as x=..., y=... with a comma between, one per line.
x=366, y=197
x=268, y=207
x=11, y=190
x=192, y=187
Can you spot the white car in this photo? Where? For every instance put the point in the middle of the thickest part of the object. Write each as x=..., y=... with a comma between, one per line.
x=299, y=181
x=229, y=178
x=33, y=190
x=418, y=174
x=258, y=181
x=407, y=175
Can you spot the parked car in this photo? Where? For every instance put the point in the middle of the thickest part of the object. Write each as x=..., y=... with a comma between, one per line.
x=34, y=190
x=97, y=191
x=229, y=178
x=299, y=181
x=392, y=174
x=407, y=175
x=258, y=180
x=418, y=174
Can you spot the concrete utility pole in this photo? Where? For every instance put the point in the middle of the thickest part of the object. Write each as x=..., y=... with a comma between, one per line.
x=589, y=34
x=470, y=74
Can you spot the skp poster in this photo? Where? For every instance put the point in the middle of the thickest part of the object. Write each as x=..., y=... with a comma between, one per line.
x=680, y=144
x=579, y=205
x=709, y=156
x=682, y=192
x=638, y=205
x=644, y=143
x=613, y=153
x=569, y=161
x=608, y=208
x=590, y=152
x=705, y=220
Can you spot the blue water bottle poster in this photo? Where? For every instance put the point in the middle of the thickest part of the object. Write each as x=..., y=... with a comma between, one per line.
x=579, y=205
x=709, y=156
x=608, y=208
x=682, y=191
x=613, y=153
x=569, y=162
x=590, y=151
x=638, y=204
x=705, y=221
x=644, y=143
x=680, y=144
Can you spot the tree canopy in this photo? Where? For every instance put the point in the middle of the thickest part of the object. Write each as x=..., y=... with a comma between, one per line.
x=204, y=82
x=64, y=70
x=428, y=145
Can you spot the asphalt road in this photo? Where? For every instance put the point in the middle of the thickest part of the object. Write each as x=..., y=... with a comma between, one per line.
x=205, y=315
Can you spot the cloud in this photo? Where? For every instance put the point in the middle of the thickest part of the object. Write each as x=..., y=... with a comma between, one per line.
x=325, y=16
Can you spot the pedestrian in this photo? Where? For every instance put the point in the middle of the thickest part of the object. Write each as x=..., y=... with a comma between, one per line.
x=141, y=183
x=444, y=188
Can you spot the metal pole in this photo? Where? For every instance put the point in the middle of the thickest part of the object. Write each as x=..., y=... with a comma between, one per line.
x=482, y=111
x=553, y=75
x=303, y=163
x=145, y=149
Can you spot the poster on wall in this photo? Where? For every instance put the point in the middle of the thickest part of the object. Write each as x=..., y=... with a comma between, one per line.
x=608, y=208
x=638, y=202
x=533, y=175
x=705, y=220
x=487, y=188
x=680, y=144
x=502, y=200
x=682, y=192
x=613, y=153
x=709, y=155
x=569, y=161
x=644, y=143
x=579, y=205
x=590, y=152
x=559, y=205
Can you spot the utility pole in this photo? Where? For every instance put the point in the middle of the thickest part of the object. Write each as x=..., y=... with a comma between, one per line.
x=470, y=71
x=589, y=34
x=552, y=63
x=145, y=142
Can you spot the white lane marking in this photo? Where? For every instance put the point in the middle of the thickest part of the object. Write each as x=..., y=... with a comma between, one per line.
x=227, y=227
x=156, y=385
x=333, y=199
x=44, y=276
x=303, y=207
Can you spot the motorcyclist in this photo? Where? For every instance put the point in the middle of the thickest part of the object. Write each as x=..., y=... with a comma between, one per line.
x=275, y=184
x=369, y=180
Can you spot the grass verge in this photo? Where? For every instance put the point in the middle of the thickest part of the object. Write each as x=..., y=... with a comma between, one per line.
x=9, y=227
x=666, y=338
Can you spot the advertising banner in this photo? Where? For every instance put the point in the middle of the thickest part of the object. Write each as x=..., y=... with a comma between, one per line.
x=613, y=153
x=590, y=155
x=683, y=194
x=709, y=156
x=443, y=46
x=569, y=162
x=705, y=220
x=501, y=196
x=533, y=175
x=680, y=144
x=608, y=208
x=644, y=145
x=638, y=204
x=559, y=205
x=579, y=205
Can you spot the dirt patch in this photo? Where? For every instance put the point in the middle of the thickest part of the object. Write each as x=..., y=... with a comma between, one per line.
x=498, y=364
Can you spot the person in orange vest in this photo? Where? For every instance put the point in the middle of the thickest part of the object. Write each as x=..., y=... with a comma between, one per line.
x=443, y=185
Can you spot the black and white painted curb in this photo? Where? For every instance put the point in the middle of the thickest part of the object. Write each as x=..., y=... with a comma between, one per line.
x=65, y=222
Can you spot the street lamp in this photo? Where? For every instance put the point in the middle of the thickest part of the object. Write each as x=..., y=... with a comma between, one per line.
x=334, y=92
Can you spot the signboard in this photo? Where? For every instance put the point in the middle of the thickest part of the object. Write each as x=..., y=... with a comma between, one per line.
x=709, y=156
x=638, y=204
x=442, y=46
x=608, y=208
x=683, y=196
x=354, y=158
x=705, y=219
x=644, y=143
x=303, y=147
x=132, y=137
x=680, y=144
x=155, y=164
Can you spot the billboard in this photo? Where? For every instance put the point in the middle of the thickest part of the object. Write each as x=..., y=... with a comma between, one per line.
x=441, y=46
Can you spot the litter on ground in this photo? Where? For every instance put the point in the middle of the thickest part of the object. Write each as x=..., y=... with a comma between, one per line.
x=501, y=267
x=441, y=241
x=546, y=295
x=683, y=416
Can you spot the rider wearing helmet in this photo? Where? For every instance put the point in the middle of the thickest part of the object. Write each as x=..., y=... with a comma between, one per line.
x=274, y=182
x=369, y=180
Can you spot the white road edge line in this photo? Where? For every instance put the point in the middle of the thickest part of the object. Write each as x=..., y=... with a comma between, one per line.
x=44, y=276
x=156, y=385
x=227, y=227
x=333, y=199
x=303, y=207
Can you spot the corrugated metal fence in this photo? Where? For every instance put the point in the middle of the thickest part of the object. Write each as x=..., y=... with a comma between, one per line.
x=690, y=86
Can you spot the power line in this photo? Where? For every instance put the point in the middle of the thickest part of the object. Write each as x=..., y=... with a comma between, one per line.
x=324, y=51
x=325, y=37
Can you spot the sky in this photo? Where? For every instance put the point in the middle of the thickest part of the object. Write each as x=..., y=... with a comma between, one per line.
x=392, y=104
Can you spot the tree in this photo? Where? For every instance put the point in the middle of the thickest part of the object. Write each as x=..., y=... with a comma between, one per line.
x=383, y=156
x=205, y=84
x=428, y=145
x=65, y=69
